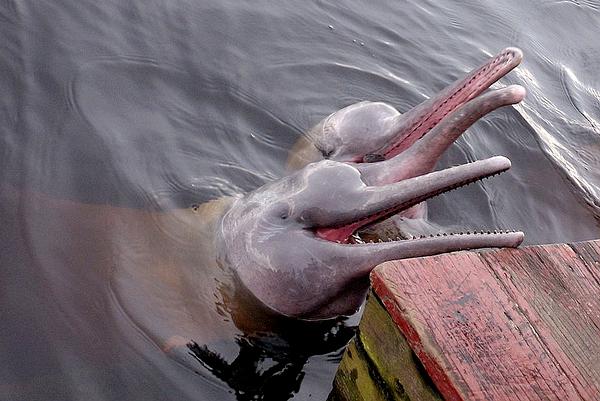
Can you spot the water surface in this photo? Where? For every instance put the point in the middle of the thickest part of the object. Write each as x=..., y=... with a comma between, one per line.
x=118, y=114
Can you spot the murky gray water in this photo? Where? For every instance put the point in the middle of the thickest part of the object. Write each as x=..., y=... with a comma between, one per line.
x=116, y=114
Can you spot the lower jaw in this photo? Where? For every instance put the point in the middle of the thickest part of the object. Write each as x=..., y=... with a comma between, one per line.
x=398, y=229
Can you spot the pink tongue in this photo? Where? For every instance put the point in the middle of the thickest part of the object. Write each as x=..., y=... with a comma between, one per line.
x=337, y=234
x=342, y=234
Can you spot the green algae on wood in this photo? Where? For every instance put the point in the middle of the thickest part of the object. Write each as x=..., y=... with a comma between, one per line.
x=392, y=356
x=354, y=381
x=379, y=364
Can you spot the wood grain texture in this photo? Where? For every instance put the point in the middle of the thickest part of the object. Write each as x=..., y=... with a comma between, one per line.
x=388, y=352
x=354, y=381
x=503, y=324
x=379, y=364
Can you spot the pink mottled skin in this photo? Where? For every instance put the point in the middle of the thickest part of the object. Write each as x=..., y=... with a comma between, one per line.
x=288, y=241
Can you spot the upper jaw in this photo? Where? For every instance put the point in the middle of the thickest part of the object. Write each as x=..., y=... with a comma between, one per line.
x=423, y=155
x=409, y=127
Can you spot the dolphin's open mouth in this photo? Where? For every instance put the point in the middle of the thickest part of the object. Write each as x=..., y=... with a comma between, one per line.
x=291, y=242
x=420, y=120
x=384, y=201
x=419, y=137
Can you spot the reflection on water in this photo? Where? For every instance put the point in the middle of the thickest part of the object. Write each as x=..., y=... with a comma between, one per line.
x=117, y=117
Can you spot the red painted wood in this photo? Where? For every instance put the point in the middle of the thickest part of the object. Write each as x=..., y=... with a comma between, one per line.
x=502, y=325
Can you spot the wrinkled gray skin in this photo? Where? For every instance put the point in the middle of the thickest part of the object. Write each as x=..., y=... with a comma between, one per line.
x=290, y=241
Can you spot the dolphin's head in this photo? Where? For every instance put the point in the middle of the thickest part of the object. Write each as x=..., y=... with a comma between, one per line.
x=290, y=241
x=368, y=131
x=293, y=242
x=372, y=131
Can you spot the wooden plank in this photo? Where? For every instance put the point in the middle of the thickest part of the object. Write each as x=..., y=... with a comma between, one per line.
x=503, y=324
x=379, y=364
x=354, y=381
x=398, y=368
x=561, y=298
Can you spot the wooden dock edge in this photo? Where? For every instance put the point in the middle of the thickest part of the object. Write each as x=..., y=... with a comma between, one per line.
x=379, y=364
x=495, y=325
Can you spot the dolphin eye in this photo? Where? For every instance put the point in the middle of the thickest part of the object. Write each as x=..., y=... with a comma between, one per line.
x=282, y=211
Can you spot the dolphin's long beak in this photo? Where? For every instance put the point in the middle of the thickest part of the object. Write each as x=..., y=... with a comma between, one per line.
x=374, y=203
x=408, y=128
x=357, y=259
x=361, y=258
x=422, y=157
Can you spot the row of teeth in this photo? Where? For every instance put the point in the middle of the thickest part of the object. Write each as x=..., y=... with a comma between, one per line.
x=359, y=240
x=494, y=64
x=468, y=182
x=434, y=195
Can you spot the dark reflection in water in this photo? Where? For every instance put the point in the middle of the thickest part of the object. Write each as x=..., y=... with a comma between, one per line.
x=270, y=364
x=118, y=116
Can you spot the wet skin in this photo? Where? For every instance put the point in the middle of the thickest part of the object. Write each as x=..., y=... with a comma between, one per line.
x=291, y=241
x=284, y=251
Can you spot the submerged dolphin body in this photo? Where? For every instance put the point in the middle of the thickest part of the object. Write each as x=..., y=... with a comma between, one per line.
x=188, y=279
x=289, y=241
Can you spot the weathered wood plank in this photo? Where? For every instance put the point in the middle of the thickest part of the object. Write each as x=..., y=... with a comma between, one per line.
x=552, y=285
x=504, y=324
x=403, y=374
x=379, y=363
x=354, y=381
